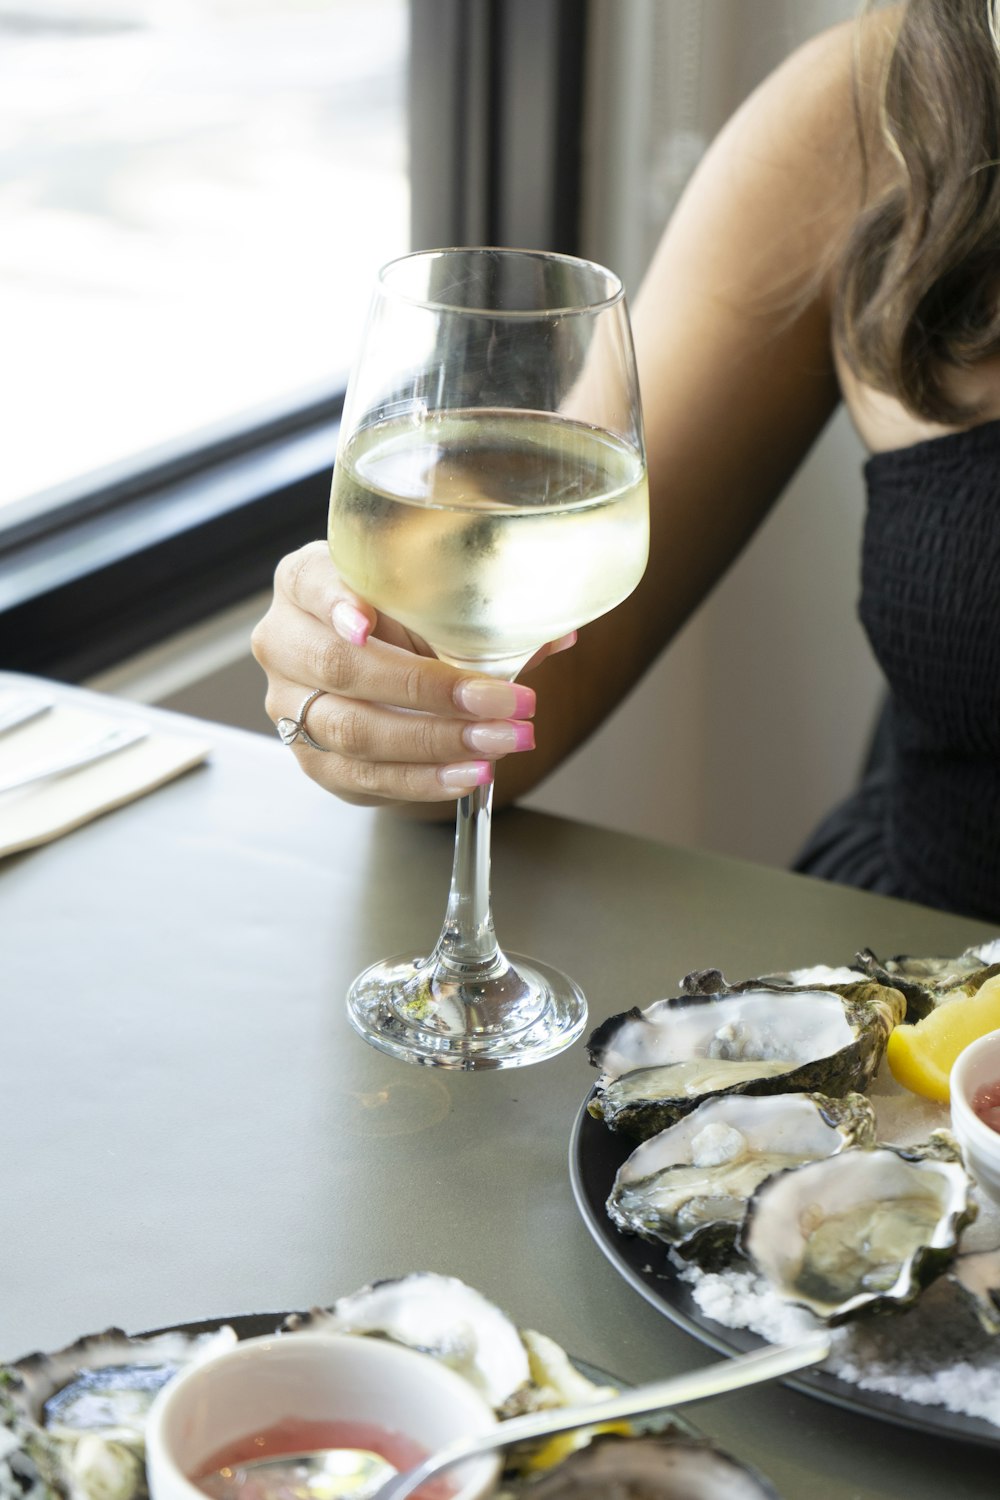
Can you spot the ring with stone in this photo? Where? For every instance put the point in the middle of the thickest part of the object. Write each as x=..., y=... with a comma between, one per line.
x=290, y=730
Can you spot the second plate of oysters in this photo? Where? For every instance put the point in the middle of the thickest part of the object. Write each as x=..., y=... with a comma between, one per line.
x=72, y=1421
x=734, y=1142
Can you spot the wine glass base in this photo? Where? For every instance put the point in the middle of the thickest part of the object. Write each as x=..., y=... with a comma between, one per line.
x=521, y=1012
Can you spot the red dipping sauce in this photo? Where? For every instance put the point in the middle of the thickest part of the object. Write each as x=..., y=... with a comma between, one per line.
x=293, y=1435
x=986, y=1104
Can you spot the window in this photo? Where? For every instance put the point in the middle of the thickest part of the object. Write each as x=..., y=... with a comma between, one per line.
x=195, y=197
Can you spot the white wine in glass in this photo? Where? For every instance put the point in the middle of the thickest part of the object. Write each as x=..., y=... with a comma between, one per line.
x=490, y=495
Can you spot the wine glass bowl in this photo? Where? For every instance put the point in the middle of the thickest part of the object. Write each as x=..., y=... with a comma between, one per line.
x=490, y=495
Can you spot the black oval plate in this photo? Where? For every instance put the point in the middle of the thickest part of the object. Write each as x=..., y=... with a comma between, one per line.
x=595, y=1154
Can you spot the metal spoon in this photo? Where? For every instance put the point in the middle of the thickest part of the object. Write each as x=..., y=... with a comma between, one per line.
x=330, y=1473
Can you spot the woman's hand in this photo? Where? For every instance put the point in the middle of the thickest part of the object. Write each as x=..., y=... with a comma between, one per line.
x=395, y=723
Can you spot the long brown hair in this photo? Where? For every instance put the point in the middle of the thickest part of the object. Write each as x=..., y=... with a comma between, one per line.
x=919, y=289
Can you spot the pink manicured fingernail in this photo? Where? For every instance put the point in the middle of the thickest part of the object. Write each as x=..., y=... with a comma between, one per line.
x=563, y=643
x=495, y=700
x=350, y=623
x=499, y=739
x=463, y=778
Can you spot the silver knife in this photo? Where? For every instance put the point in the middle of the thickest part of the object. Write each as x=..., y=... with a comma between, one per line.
x=20, y=708
x=106, y=743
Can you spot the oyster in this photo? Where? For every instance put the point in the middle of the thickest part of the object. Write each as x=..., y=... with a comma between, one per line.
x=29, y=1460
x=86, y=1405
x=653, y=1467
x=555, y=1380
x=660, y=1063
x=689, y=1185
x=976, y=1274
x=707, y=981
x=442, y=1316
x=864, y=1231
x=926, y=982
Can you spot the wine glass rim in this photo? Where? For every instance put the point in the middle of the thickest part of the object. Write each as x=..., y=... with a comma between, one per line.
x=615, y=295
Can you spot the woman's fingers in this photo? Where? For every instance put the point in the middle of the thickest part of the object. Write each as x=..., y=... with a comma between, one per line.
x=372, y=732
x=306, y=580
x=394, y=722
x=370, y=752
x=302, y=651
x=295, y=642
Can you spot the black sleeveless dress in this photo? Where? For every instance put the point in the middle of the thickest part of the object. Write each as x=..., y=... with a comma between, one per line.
x=925, y=822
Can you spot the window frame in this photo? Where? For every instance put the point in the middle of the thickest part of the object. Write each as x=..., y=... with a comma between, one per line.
x=123, y=559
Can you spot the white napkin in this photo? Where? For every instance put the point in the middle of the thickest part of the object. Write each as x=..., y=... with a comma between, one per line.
x=44, y=810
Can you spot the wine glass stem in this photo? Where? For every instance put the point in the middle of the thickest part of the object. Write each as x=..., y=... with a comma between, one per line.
x=467, y=938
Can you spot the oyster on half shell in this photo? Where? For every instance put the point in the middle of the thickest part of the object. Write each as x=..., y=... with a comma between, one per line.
x=976, y=1275
x=655, y=1467
x=84, y=1408
x=689, y=1185
x=708, y=981
x=864, y=1231
x=29, y=1459
x=927, y=982
x=517, y=1370
x=660, y=1063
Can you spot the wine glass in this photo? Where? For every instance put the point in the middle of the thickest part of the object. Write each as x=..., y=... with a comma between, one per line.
x=489, y=494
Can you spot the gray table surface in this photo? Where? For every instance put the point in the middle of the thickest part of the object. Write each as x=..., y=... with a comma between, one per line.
x=191, y=1128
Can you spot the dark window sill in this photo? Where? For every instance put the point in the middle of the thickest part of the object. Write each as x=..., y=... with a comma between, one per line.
x=122, y=565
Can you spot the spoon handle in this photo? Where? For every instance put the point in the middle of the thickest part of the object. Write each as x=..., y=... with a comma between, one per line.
x=714, y=1380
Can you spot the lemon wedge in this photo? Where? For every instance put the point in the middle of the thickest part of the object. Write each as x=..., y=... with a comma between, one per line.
x=564, y=1443
x=920, y=1056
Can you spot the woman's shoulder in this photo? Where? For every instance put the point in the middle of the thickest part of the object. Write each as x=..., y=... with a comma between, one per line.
x=819, y=112
x=800, y=157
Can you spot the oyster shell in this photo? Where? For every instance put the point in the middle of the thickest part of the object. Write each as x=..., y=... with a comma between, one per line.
x=555, y=1380
x=444, y=1317
x=689, y=1185
x=926, y=982
x=653, y=1467
x=863, y=1231
x=29, y=1461
x=85, y=1406
x=660, y=1063
x=707, y=981
x=976, y=1274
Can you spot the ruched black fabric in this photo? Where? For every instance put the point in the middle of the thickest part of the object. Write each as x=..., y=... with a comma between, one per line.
x=925, y=822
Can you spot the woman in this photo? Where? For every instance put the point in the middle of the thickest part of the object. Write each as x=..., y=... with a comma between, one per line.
x=839, y=242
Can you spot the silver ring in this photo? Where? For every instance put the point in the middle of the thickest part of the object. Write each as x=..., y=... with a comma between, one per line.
x=290, y=730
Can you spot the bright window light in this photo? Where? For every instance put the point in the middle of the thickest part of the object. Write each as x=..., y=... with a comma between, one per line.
x=195, y=196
